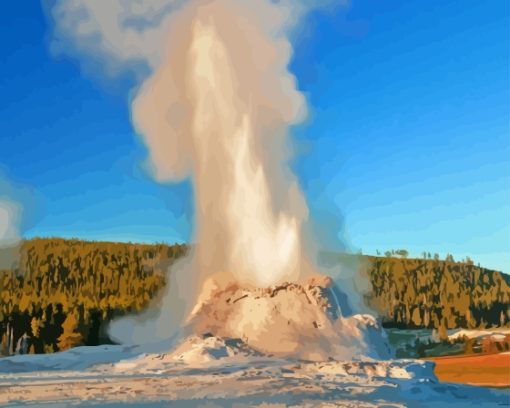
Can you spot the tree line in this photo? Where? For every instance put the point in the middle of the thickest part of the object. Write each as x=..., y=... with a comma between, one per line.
x=437, y=294
x=62, y=293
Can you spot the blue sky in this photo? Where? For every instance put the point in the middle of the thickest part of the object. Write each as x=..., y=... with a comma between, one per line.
x=407, y=144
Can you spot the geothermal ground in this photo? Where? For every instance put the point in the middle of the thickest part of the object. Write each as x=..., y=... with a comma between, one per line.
x=214, y=372
x=283, y=346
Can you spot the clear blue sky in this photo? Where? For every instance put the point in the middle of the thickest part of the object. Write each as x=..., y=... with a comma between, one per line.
x=407, y=145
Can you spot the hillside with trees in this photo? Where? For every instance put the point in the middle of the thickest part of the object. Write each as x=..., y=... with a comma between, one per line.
x=434, y=293
x=61, y=293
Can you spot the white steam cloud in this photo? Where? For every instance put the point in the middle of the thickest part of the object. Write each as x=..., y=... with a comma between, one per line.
x=215, y=103
x=13, y=198
x=10, y=214
x=9, y=221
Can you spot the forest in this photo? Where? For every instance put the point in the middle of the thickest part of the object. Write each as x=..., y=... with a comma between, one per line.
x=439, y=294
x=62, y=293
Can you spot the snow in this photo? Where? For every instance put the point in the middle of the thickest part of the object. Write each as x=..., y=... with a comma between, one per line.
x=218, y=372
x=498, y=333
x=78, y=358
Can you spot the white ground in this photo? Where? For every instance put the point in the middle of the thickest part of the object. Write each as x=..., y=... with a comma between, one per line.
x=214, y=372
x=499, y=333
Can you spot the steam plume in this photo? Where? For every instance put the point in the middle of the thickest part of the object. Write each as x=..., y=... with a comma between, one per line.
x=215, y=102
x=9, y=216
x=10, y=221
x=229, y=101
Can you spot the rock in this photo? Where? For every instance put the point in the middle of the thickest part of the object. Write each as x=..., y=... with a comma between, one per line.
x=298, y=320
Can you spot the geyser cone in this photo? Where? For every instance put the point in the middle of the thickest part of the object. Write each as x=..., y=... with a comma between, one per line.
x=298, y=320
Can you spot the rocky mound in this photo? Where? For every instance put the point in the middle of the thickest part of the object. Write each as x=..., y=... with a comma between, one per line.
x=297, y=320
x=208, y=348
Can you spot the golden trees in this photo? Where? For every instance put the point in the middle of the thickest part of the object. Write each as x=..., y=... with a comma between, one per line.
x=70, y=336
x=437, y=294
x=95, y=281
x=90, y=281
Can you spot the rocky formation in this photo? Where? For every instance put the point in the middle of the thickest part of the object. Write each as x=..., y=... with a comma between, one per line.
x=296, y=320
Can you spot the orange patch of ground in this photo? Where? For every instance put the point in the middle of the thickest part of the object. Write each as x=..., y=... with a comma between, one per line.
x=492, y=370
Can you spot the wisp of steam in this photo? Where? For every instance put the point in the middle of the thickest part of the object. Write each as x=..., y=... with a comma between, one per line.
x=12, y=200
x=9, y=215
x=214, y=104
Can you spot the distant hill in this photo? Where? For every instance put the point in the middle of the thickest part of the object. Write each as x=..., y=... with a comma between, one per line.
x=60, y=293
x=435, y=293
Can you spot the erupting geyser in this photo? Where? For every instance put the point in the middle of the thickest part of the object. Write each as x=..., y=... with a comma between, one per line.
x=248, y=319
x=216, y=107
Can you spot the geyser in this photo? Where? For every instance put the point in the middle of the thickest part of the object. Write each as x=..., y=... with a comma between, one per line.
x=216, y=108
x=221, y=101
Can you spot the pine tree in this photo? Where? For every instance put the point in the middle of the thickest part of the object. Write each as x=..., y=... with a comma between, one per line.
x=442, y=332
x=70, y=336
x=416, y=318
x=35, y=326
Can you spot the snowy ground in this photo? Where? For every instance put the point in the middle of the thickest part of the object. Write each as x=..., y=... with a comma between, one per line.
x=499, y=333
x=224, y=373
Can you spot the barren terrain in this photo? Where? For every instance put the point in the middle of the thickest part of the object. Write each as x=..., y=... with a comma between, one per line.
x=218, y=373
